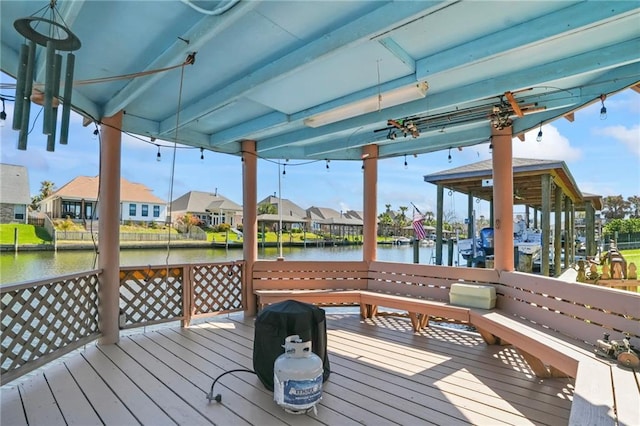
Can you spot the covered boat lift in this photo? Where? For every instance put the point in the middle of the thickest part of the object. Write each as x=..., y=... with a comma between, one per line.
x=543, y=186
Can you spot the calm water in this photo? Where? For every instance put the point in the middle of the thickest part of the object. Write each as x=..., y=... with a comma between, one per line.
x=26, y=266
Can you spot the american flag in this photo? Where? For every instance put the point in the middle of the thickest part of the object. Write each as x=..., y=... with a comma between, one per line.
x=417, y=226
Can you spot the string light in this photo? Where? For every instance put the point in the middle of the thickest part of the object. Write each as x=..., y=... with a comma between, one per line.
x=201, y=153
x=539, y=137
x=603, y=110
x=406, y=166
x=284, y=170
x=327, y=165
x=96, y=132
x=158, y=156
x=449, y=157
x=3, y=115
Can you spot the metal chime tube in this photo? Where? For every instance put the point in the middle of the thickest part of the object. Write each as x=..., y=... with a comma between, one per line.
x=28, y=87
x=51, y=139
x=19, y=101
x=66, y=105
x=47, y=121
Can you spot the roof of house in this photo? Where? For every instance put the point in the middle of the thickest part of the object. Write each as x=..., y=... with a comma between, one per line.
x=328, y=215
x=201, y=202
x=14, y=184
x=476, y=179
x=86, y=187
x=288, y=207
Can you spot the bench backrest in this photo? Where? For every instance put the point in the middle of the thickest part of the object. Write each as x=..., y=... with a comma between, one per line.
x=581, y=311
x=303, y=275
x=424, y=281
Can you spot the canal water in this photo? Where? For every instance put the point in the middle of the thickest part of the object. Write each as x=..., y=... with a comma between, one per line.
x=34, y=265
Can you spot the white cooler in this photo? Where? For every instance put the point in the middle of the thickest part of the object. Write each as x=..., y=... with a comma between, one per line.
x=473, y=296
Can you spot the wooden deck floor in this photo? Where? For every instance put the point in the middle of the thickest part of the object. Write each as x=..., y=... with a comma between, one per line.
x=381, y=373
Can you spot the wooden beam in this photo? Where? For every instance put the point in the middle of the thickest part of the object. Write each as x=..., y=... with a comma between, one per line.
x=570, y=117
x=514, y=104
x=520, y=136
x=636, y=88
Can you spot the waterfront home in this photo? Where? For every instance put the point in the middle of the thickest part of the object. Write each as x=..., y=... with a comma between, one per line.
x=77, y=200
x=331, y=221
x=14, y=194
x=211, y=208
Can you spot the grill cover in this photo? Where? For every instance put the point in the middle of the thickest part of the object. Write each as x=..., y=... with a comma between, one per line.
x=283, y=319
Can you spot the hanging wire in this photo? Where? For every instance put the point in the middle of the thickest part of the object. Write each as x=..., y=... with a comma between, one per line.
x=173, y=168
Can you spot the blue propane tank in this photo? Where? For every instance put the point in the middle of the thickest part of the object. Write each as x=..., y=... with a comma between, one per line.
x=297, y=377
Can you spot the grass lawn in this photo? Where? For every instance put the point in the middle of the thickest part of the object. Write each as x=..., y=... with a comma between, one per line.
x=631, y=256
x=27, y=234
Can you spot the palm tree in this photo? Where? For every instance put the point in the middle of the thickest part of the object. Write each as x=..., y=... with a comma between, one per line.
x=267, y=208
x=46, y=188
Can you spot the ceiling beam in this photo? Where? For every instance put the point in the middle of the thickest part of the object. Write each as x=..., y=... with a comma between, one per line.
x=201, y=33
x=588, y=62
x=544, y=27
x=610, y=82
x=358, y=31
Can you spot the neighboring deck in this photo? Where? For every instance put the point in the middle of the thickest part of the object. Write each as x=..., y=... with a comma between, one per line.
x=381, y=373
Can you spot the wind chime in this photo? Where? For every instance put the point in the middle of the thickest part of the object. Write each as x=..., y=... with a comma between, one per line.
x=56, y=37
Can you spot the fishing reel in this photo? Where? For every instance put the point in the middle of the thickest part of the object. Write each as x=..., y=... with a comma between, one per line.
x=623, y=352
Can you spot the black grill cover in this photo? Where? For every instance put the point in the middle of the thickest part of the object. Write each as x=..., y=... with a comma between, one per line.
x=283, y=319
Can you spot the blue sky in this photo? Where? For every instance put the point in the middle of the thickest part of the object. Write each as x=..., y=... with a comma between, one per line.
x=602, y=155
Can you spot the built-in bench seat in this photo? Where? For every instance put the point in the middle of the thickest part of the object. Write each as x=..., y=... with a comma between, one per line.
x=535, y=315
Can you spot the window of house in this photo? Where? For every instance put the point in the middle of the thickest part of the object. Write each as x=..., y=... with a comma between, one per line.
x=145, y=210
x=19, y=212
x=132, y=209
x=156, y=211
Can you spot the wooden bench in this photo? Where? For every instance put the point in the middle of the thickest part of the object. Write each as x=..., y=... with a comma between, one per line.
x=353, y=283
x=530, y=310
x=540, y=317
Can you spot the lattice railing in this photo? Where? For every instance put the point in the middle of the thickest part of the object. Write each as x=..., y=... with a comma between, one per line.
x=151, y=295
x=216, y=288
x=44, y=319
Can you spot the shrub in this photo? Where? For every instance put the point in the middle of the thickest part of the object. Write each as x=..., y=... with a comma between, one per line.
x=223, y=227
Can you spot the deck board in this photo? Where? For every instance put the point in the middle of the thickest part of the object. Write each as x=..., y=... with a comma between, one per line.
x=382, y=374
x=75, y=408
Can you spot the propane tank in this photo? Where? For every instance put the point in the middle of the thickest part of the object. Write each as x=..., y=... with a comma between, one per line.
x=297, y=377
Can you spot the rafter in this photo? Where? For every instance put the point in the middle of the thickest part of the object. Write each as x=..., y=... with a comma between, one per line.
x=357, y=31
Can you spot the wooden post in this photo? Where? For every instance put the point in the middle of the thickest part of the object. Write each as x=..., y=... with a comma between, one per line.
x=471, y=225
x=545, y=223
x=557, y=231
x=439, y=223
x=370, y=200
x=502, y=159
x=250, y=220
x=567, y=232
x=590, y=228
x=109, y=230
x=15, y=239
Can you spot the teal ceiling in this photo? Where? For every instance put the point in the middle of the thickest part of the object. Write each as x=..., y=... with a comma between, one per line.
x=264, y=68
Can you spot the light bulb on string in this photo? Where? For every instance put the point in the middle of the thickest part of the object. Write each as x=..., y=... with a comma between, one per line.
x=158, y=156
x=449, y=159
x=603, y=110
x=3, y=115
x=201, y=153
x=539, y=137
x=327, y=165
x=406, y=165
x=284, y=170
x=95, y=133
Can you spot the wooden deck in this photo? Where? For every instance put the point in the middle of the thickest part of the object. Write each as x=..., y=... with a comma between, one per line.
x=381, y=373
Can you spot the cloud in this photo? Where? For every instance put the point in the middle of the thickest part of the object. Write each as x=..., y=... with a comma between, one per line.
x=629, y=137
x=553, y=146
